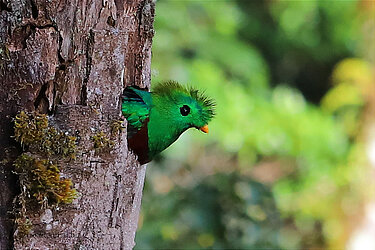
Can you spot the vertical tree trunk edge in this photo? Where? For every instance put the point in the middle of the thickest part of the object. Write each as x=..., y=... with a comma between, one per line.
x=72, y=60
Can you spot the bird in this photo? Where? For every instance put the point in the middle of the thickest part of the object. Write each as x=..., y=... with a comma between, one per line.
x=156, y=119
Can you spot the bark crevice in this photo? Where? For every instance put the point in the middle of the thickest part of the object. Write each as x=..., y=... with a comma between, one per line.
x=34, y=9
x=89, y=51
x=5, y=7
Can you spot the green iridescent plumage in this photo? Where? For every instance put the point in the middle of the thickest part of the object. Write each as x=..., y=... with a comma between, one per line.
x=156, y=119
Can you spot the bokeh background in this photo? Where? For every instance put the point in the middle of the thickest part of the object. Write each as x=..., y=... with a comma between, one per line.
x=289, y=161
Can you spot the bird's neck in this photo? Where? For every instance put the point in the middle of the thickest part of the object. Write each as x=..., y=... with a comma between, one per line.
x=161, y=136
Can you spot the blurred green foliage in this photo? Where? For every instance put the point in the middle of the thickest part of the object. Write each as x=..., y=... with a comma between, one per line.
x=276, y=170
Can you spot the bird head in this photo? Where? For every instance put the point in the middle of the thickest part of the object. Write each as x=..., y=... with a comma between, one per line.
x=185, y=107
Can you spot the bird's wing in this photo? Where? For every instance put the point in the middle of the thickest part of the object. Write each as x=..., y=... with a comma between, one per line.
x=136, y=106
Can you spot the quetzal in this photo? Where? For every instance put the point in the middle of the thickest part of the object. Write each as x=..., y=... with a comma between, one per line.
x=156, y=119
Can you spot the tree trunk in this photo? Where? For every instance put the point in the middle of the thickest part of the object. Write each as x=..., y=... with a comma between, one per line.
x=72, y=60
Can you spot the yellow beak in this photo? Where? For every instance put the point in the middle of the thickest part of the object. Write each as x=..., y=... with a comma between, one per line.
x=204, y=129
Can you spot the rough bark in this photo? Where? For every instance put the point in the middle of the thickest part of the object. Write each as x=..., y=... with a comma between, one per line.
x=72, y=59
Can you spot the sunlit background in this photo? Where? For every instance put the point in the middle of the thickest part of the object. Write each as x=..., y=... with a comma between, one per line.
x=290, y=158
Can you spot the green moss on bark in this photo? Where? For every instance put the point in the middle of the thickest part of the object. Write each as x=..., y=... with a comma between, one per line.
x=24, y=226
x=102, y=142
x=33, y=131
x=41, y=184
x=116, y=126
x=41, y=179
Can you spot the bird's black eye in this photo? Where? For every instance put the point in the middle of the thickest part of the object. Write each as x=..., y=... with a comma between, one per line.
x=185, y=110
